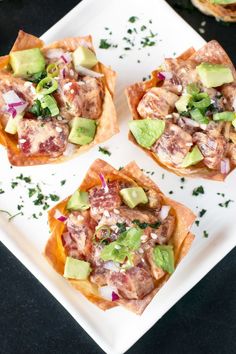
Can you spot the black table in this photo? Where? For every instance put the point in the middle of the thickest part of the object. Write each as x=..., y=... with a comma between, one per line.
x=32, y=321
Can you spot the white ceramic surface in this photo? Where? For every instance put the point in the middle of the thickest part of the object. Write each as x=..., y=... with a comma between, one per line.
x=118, y=329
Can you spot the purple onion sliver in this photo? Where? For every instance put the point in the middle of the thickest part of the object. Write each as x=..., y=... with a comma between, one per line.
x=104, y=185
x=12, y=111
x=160, y=76
x=16, y=104
x=114, y=296
x=64, y=59
x=62, y=218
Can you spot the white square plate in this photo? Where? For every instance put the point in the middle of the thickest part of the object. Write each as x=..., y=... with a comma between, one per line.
x=118, y=329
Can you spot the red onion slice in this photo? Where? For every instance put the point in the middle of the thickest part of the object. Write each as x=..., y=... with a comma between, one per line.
x=84, y=71
x=104, y=184
x=114, y=296
x=106, y=292
x=59, y=216
x=161, y=76
x=164, y=212
x=55, y=53
x=166, y=74
x=224, y=166
x=12, y=111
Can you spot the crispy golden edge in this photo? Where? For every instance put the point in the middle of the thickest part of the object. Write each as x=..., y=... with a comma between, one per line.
x=181, y=239
x=224, y=13
x=135, y=92
x=107, y=123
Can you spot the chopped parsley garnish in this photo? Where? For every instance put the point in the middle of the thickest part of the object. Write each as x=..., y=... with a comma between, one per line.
x=202, y=212
x=182, y=179
x=54, y=197
x=32, y=191
x=38, y=111
x=38, y=77
x=1, y=191
x=19, y=207
x=14, y=184
x=22, y=178
x=104, y=151
x=171, y=192
x=205, y=234
x=39, y=200
x=34, y=216
x=198, y=190
x=46, y=206
x=104, y=44
x=63, y=182
x=197, y=222
x=120, y=168
x=129, y=31
x=132, y=19
x=121, y=226
x=221, y=194
x=143, y=27
x=226, y=203
x=144, y=225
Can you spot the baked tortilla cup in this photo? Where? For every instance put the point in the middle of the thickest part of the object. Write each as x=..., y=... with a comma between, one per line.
x=226, y=13
x=180, y=237
x=107, y=124
x=211, y=53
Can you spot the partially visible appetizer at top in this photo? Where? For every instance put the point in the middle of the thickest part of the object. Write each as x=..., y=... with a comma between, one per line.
x=56, y=100
x=184, y=116
x=118, y=238
x=224, y=10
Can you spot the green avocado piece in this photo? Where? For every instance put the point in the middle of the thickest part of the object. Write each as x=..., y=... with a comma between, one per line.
x=133, y=196
x=12, y=124
x=82, y=131
x=182, y=104
x=214, y=75
x=147, y=131
x=223, y=2
x=84, y=57
x=163, y=256
x=192, y=157
x=225, y=116
x=27, y=62
x=76, y=269
x=78, y=201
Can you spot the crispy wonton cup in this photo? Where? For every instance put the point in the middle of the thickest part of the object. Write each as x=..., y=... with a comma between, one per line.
x=181, y=238
x=211, y=51
x=221, y=12
x=108, y=125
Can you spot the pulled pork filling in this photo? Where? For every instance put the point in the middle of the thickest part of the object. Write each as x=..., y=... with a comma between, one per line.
x=119, y=241
x=196, y=99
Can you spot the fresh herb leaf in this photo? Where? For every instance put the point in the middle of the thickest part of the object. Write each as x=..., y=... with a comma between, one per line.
x=226, y=203
x=104, y=151
x=1, y=191
x=182, y=179
x=22, y=178
x=202, y=212
x=198, y=190
x=32, y=191
x=14, y=184
x=36, y=78
x=104, y=44
x=144, y=225
x=39, y=200
x=63, y=182
x=197, y=222
x=132, y=19
x=171, y=192
x=205, y=234
x=121, y=226
x=54, y=197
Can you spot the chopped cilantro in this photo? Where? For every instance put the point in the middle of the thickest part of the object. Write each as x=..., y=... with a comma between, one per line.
x=19, y=207
x=54, y=197
x=37, y=110
x=205, y=234
x=182, y=179
x=197, y=222
x=181, y=187
x=144, y=225
x=63, y=182
x=46, y=206
x=202, y=212
x=132, y=19
x=226, y=203
x=34, y=216
x=198, y=190
x=104, y=151
x=104, y=44
x=39, y=200
x=121, y=226
x=38, y=77
x=143, y=28
x=129, y=31
x=120, y=168
x=22, y=178
x=14, y=184
x=31, y=191
x=171, y=192
x=221, y=194
x=1, y=191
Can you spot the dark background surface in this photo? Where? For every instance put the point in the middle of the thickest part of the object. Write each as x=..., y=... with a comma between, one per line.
x=33, y=322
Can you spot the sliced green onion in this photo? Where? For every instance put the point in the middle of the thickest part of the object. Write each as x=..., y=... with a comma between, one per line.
x=47, y=85
x=52, y=70
x=105, y=228
x=225, y=116
x=192, y=89
x=49, y=102
x=201, y=101
x=197, y=115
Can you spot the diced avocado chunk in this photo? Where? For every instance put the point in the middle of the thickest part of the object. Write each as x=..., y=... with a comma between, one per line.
x=147, y=131
x=13, y=123
x=27, y=62
x=133, y=196
x=82, y=131
x=223, y=2
x=78, y=201
x=182, y=104
x=214, y=75
x=84, y=57
x=76, y=269
x=192, y=157
x=224, y=116
x=163, y=257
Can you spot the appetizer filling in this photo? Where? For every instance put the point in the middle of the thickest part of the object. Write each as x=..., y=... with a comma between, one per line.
x=50, y=98
x=189, y=118
x=117, y=235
